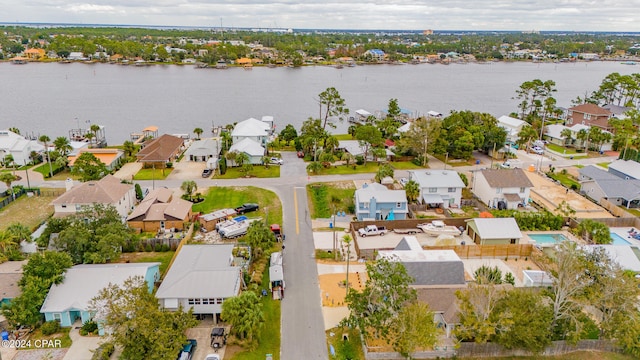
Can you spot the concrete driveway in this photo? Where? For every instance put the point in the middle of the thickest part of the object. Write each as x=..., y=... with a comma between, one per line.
x=202, y=334
x=82, y=346
x=187, y=170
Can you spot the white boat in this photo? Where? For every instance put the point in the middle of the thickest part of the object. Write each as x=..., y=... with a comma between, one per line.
x=437, y=227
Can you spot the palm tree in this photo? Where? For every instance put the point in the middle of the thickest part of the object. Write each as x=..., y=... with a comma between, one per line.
x=198, y=131
x=412, y=189
x=189, y=187
x=347, y=158
x=331, y=143
x=8, y=161
x=583, y=136
x=129, y=147
x=231, y=156
x=45, y=140
x=20, y=232
x=242, y=158
x=7, y=178
x=314, y=167
x=346, y=240
x=567, y=134
x=265, y=161
x=94, y=129
x=62, y=145
x=527, y=134
x=7, y=242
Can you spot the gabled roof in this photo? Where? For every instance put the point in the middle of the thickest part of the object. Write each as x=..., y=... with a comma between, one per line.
x=160, y=205
x=511, y=122
x=251, y=127
x=595, y=173
x=160, y=149
x=592, y=109
x=204, y=147
x=617, y=109
x=201, y=271
x=11, y=141
x=628, y=167
x=83, y=282
x=497, y=228
x=506, y=178
x=612, y=186
x=108, y=190
x=249, y=146
x=436, y=178
x=441, y=301
x=381, y=193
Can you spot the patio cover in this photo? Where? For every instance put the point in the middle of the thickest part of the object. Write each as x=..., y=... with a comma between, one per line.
x=432, y=199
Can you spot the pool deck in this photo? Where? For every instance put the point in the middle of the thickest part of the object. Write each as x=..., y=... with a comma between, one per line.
x=527, y=240
x=623, y=232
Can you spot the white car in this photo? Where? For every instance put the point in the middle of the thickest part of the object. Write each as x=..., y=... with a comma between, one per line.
x=212, y=357
x=277, y=161
x=538, y=150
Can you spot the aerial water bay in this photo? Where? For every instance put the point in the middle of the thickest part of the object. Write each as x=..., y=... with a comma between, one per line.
x=52, y=98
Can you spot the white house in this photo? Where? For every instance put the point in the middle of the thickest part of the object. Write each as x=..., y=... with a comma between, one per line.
x=253, y=129
x=438, y=188
x=597, y=184
x=201, y=278
x=203, y=150
x=17, y=146
x=502, y=188
x=553, y=133
x=512, y=126
x=625, y=169
x=108, y=191
x=253, y=149
x=375, y=201
x=494, y=231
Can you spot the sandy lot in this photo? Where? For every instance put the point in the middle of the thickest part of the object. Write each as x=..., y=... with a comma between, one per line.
x=332, y=289
x=550, y=195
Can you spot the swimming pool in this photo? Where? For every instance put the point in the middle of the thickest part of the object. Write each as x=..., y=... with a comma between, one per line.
x=548, y=238
x=618, y=240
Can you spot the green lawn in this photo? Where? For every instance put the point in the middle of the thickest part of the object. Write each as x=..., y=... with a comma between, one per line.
x=258, y=171
x=231, y=197
x=604, y=164
x=152, y=174
x=455, y=162
x=64, y=175
x=269, y=338
x=405, y=165
x=162, y=257
x=371, y=167
x=564, y=150
x=635, y=212
x=45, y=170
x=350, y=349
x=566, y=180
x=327, y=198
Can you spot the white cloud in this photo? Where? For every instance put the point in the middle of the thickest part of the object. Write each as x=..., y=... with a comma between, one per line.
x=604, y=15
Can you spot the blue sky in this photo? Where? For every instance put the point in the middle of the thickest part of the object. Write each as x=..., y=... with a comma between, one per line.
x=569, y=15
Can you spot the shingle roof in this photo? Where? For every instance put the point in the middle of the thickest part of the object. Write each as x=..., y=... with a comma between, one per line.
x=108, y=190
x=497, y=228
x=506, y=178
x=381, y=193
x=592, y=109
x=627, y=167
x=160, y=149
x=204, y=147
x=441, y=300
x=83, y=282
x=201, y=271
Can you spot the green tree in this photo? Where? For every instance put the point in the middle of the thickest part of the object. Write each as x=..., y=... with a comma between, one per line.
x=89, y=167
x=20, y=231
x=412, y=188
x=331, y=143
x=129, y=148
x=189, y=187
x=311, y=134
x=526, y=135
x=260, y=238
x=139, y=326
x=479, y=320
x=583, y=136
x=241, y=159
x=385, y=170
x=420, y=139
x=533, y=95
x=198, y=131
x=393, y=109
x=347, y=158
x=386, y=291
x=288, y=134
x=94, y=130
x=244, y=314
x=334, y=106
x=567, y=134
x=368, y=136
x=413, y=329
x=44, y=139
x=8, y=178
x=594, y=232
x=314, y=167
x=62, y=145
x=488, y=275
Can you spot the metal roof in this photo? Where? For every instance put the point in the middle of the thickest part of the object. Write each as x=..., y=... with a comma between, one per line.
x=497, y=228
x=436, y=178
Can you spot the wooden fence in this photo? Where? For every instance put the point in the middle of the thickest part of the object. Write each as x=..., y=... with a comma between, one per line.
x=491, y=350
x=488, y=251
x=614, y=209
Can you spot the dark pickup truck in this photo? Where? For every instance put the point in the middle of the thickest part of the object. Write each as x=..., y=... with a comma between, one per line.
x=245, y=208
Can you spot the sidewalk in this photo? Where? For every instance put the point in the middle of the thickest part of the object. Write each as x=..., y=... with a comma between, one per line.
x=82, y=345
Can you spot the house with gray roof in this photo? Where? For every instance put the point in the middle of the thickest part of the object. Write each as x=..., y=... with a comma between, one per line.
x=376, y=202
x=428, y=268
x=494, y=231
x=438, y=188
x=69, y=301
x=252, y=148
x=18, y=146
x=617, y=111
x=512, y=126
x=597, y=184
x=625, y=169
x=10, y=275
x=444, y=304
x=502, y=188
x=107, y=191
x=203, y=150
x=201, y=278
x=354, y=148
x=160, y=210
x=253, y=129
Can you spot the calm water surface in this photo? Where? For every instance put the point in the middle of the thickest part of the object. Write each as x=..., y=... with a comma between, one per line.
x=53, y=98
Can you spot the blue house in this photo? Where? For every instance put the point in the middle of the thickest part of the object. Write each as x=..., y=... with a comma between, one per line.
x=377, y=202
x=68, y=301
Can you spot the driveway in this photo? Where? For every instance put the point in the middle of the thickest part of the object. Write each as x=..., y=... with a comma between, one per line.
x=128, y=170
x=202, y=334
x=82, y=346
x=187, y=170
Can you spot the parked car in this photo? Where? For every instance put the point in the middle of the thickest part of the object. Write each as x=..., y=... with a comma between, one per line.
x=206, y=173
x=212, y=357
x=277, y=161
x=300, y=154
x=404, y=181
x=372, y=230
x=248, y=207
x=538, y=150
x=188, y=350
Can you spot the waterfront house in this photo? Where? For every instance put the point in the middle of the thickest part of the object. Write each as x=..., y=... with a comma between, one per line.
x=376, y=201
x=107, y=191
x=253, y=129
x=375, y=54
x=201, y=278
x=427, y=268
x=502, y=188
x=354, y=148
x=17, y=146
x=69, y=300
x=512, y=126
x=160, y=210
x=159, y=151
x=34, y=53
x=203, y=150
x=494, y=231
x=111, y=158
x=76, y=55
x=589, y=114
x=438, y=188
x=253, y=149
x=553, y=133
x=598, y=184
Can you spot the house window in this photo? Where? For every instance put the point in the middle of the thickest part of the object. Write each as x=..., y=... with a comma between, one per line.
x=365, y=205
x=78, y=207
x=521, y=190
x=194, y=301
x=219, y=301
x=587, y=116
x=57, y=316
x=498, y=190
x=451, y=189
x=398, y=205
x=433, y=190
x=64, y=206
x=205, y=301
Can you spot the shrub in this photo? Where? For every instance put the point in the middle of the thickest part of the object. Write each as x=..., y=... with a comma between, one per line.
x=50, y=327
x=222, y=165
x=103, y=352
x=148, y=248
x=90, y=326
x=169, y=165
x=359, y=160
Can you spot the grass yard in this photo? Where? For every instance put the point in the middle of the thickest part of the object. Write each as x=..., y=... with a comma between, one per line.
x=566, y=180
x=139, y=257
x=405, y=165
x=350, y=349
x=336, y=196
x=28, y=211
x=45, y=170
x=344, y=137
x=258, y=171
x=454, y=162
x=152, y=174
x=231, y=197
x=578, y=355
x=62, y=335
x=634, y=212
x=604, y=164
x=269, y=338
x=564, y=150
x=370, y=167
x=64, y=175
